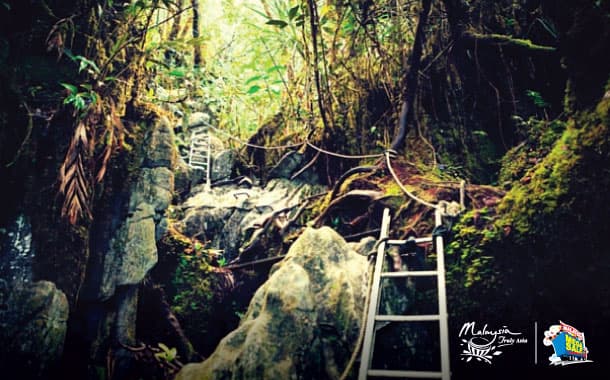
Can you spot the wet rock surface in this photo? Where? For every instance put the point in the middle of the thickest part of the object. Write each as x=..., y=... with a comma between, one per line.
x=302, y=323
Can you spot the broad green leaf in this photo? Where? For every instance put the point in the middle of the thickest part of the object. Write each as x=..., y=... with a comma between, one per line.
x=293, y=12
x=68, y=53
x=276, y=68
x=163, y=347
x=253, y=79
x=279, y=23
x=253, y=89
x=300, y=20
x=79, y=102
x=179, y=73
x=70, y=87
x=94, y=97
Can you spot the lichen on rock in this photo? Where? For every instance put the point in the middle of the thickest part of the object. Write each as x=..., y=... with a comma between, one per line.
x=302, y=323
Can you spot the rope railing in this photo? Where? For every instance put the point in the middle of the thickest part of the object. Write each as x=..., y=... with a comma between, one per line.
x=388, y=154
x=340, y=155
x=295, y=145
x=264, y=147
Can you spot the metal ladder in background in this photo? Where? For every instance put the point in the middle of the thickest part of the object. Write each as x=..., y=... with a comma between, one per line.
x=200, y=153
x=373, y=308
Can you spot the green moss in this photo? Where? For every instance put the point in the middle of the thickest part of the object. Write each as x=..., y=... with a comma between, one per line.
x=553, y=182
x=509, y=40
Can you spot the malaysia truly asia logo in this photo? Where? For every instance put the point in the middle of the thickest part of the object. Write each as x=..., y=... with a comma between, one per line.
x=483, y=344
x=568, y=343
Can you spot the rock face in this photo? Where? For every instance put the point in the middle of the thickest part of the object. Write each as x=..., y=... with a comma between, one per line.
x=16, y=253
x=33, y=324
x=133, y=249
x=33, y=315
x=302, y=323
x=227, y=217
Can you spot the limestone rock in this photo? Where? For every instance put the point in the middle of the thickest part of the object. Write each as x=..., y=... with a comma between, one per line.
x=132, y=249
x=222, y=165
x=198, y=119
x=160, y=149
x=16, y=253
x=285, y=333
x=33, y=324
x=287, y=165
x=138, y=245
x=227, y=216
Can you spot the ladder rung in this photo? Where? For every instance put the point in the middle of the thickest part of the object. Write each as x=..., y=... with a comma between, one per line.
x=410, y=273
x=407, y=318
x=417, y=241
x=413, y=374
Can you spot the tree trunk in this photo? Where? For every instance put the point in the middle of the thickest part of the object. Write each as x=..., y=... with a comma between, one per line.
x=197, y=46
x=406, y=113
x=170, y=54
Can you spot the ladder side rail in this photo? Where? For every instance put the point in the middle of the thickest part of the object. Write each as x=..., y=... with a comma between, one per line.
x=208, y=180
x=369, y=338
x=442, y=300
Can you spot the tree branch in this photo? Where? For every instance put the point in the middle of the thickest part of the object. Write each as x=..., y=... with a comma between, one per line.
x=506, y=40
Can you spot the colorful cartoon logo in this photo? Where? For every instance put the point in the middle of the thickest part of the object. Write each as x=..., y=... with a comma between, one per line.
x=568, y=343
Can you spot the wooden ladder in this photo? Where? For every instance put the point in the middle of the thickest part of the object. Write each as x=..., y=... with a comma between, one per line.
x=200, y=153
x=373, y=308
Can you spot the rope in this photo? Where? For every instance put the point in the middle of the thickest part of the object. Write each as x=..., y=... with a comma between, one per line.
x=344, y=155
x=411, y=195
x=365, y=310
x=264, y=147
x=295, y=145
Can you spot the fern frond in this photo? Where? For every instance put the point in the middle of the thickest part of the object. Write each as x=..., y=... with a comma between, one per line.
x=73, y=177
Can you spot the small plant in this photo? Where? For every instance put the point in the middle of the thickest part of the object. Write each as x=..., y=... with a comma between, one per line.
x=167, y=354
x=537, y=98
x=80, y=100
x=222, y=262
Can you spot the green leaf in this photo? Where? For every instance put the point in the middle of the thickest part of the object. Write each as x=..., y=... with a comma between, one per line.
x=276, y=68
x=293, y=12
x=70, y=87
x=163, y=347
x=253, y=79
x=300, y=20
x=7, y=6
x=253, y=89
x=69, y=54
x=79, y=102
x=178, y=73
x=279, y=23
x=84, y=63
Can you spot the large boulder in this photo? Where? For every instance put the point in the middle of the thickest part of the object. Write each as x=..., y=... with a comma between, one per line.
x=227, y=217
x=33, y=322
x=302, y=323
x=132, y=249
x=222, y=165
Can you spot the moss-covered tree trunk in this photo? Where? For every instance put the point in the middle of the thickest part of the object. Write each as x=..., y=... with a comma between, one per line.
x=196, y=33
